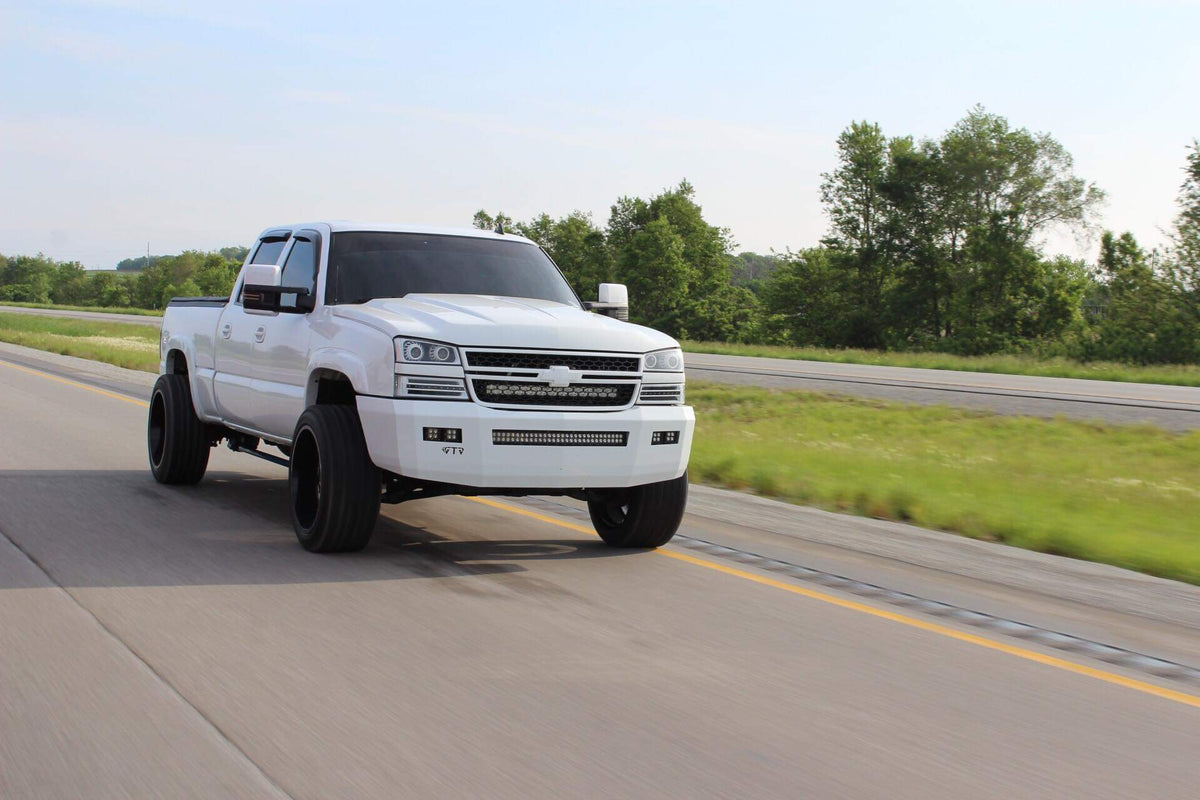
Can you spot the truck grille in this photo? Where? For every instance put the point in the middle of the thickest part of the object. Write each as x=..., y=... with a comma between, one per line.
x=491, y=359
x=527, y=393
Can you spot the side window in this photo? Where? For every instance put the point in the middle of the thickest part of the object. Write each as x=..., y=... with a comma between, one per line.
x=300, y=269
x=268, y=251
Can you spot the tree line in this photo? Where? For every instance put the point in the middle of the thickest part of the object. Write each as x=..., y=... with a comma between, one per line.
x=933, y=244
x=38, y=279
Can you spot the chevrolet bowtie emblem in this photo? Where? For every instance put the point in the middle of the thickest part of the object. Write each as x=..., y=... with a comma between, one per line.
x=559, y=376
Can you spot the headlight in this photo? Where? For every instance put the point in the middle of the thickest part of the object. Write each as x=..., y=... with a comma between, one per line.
x=663, y=361
x=419, y=351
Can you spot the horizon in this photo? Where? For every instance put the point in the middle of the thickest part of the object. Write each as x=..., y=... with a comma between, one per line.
x=195, y=129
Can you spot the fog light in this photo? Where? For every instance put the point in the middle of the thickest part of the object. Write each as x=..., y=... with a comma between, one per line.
x=664, y=437
x=442, y=434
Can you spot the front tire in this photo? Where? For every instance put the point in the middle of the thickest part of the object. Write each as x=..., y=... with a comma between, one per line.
x=175, y=437
x=334, y=486
x=641, y=516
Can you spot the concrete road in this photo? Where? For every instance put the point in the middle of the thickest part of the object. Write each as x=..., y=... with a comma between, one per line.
x=1172, y=407
x=177, y=642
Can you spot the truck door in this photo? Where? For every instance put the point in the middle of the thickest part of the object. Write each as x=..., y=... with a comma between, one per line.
x=281, y=343
x=234, y=353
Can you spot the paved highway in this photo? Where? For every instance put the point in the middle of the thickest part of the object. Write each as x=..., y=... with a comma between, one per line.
x=167, y=642
x=1172, y=407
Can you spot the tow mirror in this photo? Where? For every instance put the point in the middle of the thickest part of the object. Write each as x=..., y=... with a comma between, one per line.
x=261, y=291
x=613, y=301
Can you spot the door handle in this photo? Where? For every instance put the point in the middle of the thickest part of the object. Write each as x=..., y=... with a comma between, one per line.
x=226, y=329
x=260, y=334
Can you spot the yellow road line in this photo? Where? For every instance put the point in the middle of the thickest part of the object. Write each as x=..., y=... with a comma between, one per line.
x=892, y=616
x=78, y=385
x=853, y=605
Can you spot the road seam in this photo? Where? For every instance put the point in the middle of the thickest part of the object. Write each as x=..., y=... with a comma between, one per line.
x=221, y=734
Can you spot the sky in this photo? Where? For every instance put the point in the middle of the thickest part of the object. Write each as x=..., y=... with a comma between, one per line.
x=197, y=125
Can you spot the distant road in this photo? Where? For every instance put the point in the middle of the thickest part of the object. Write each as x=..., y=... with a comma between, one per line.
x=160, y=641
x=1172, y=407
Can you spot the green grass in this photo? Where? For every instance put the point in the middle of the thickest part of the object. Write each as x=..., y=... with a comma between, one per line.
x=1123, y=495
x=137, y=312
x=1177, y=375
x=124, y=344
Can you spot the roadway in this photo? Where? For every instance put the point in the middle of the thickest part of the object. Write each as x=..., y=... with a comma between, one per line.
x=176, y=642
x=1172, y=407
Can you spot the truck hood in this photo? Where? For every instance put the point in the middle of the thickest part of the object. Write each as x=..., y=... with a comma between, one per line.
x=470, y=320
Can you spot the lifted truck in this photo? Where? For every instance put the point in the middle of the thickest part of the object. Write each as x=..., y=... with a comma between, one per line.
x=390, y=363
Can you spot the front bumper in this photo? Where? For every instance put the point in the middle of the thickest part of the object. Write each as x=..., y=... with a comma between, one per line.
x=394, y=433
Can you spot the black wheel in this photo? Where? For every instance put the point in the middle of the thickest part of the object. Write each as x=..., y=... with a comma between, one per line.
x=641, y=516
x=335, y=487
x=175, y=437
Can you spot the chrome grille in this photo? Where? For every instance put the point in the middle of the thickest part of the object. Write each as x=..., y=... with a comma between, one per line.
x=422, y=386
x=665, y=393
x=530, y=393
x=584, y=362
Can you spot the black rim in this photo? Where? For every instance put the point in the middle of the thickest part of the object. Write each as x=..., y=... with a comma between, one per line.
x=158, y=428
x=306, y=479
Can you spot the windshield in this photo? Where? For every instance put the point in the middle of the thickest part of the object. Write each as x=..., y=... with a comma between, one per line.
x=366, y=265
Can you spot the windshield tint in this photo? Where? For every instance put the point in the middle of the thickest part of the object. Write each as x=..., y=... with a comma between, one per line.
x=364, y=266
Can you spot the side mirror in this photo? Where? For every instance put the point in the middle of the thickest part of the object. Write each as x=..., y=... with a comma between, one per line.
x=261, y=291
x=613, y=301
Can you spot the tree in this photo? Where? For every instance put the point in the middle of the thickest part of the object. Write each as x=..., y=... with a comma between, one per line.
x=1146, y=319
x=653, y=266
x=856, y=209
x=576, y=245
x=486, y=222
x=1184, y=254
x=804, y=301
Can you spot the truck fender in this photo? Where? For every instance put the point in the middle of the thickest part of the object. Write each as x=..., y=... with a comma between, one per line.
x=200, y=381
x=331, y=360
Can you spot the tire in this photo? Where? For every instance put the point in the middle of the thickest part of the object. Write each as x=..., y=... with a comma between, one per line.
x=176, y=439
x=335, y=488
x=641, y=516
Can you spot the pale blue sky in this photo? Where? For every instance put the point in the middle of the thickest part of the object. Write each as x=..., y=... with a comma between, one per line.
x=197, y=125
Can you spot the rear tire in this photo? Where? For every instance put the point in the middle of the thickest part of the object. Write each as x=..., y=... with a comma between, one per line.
x=334, y=486
x=175, y=437
x=640, y=516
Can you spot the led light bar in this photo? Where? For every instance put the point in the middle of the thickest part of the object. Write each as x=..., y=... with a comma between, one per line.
x=561, y=438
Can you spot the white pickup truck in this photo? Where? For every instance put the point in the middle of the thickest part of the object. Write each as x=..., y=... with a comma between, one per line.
x=390, y=363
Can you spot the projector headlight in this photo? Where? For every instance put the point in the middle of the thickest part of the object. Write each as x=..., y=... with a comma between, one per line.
x=419, y=351
x=663, y=361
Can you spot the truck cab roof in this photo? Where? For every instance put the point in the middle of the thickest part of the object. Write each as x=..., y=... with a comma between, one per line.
x=341, y=225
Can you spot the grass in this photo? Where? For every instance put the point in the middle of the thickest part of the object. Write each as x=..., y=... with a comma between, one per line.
x=1123, y=495
x=124, y=344
x=1119, y=494
x=137, y=312
x=1171, y=374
